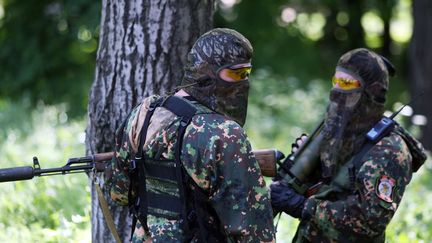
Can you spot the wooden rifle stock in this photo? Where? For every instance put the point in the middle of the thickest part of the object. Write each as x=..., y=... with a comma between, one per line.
x=267, y=159
x=100, y=158
x=103, y=156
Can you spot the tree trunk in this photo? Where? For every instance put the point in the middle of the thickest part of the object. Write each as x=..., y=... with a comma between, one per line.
x=142, y=49
x=385, y=8
x=355, y=30
x=420, y=59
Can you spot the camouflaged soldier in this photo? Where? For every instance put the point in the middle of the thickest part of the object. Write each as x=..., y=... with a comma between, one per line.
x=204, y=185
x=363, y=180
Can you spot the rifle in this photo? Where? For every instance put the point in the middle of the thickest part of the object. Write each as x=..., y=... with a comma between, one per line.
x=299, y=165
x=73, y=165
x=266, y=158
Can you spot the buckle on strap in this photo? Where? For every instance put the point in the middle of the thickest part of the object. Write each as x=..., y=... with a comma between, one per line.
x=154, y=105
x=133, y=164
x=184, y=122
x=132, y=210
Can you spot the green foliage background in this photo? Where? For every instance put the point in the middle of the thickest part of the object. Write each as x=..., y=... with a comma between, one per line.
x=47, y=57
x=45, y=209
x=47, y=50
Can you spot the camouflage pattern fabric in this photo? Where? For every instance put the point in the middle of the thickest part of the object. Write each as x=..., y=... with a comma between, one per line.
x=351, y=113
x=373, y=68
x=217, y=155
x=216, y=49
x=362, y=213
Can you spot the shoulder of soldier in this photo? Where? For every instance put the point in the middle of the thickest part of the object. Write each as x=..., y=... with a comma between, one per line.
x=132, y=125
x=217, y=124
x=393, y=141
x=201, y=109
x=141, y=108
x=210, y=141
x=390, y=149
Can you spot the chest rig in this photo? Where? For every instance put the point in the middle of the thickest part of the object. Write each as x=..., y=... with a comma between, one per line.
x=160, y=187
x=344, y=183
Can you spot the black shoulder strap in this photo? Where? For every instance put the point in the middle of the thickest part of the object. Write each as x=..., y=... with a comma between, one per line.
x=367, y=146
x=180, y=107
x=357, y=160
x=186, y=111
x=139, y=207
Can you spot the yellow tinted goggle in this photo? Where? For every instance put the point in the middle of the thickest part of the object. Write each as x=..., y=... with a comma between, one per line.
x=238, y=74
x=346, y=83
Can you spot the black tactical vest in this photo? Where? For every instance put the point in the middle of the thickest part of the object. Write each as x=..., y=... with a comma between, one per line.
x=181, y=198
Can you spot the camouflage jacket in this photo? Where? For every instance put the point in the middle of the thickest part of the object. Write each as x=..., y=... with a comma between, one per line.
x=217, y=155
x=361, y=210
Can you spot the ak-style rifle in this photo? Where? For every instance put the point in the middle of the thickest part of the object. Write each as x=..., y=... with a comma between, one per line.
x=266, y=159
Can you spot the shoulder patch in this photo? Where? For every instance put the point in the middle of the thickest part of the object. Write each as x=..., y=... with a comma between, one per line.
x=384, y=188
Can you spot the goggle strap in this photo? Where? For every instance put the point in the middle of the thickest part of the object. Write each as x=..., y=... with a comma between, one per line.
x=237, y=68
x=176, y=89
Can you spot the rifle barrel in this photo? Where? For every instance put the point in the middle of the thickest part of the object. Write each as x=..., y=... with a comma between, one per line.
x=17, y=173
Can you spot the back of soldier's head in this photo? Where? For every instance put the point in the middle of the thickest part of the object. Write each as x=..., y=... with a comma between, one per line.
x=217, y=72
x=213, y=50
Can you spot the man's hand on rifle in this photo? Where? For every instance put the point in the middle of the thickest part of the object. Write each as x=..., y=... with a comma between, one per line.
x=287, y=163
x=298, y=142
x=284, y=198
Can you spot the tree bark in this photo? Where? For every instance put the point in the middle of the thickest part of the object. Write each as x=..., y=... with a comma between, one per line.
x=142, y=50
x=420, y=60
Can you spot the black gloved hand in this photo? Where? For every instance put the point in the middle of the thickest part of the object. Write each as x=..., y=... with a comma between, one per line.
x=284, y=198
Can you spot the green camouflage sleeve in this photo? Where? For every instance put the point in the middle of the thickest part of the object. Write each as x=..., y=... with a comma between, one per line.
x=116, y=172
x=380, y=184
x=220, y=160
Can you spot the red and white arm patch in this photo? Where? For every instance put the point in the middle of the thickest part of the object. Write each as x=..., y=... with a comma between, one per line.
x=385, y=188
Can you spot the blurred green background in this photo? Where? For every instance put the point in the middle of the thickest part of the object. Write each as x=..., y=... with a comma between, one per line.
x=47, y=60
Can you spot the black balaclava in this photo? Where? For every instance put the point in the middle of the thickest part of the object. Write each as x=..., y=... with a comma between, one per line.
x=352, y=113
x=213, y=51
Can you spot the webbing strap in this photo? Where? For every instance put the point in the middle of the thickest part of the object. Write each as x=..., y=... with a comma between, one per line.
x=186, y=111
x=139, y=209
x=161, y=171
x=180, y=107
x=368, y=145
x=357, y=160
x=107, y=214
x=164, y=202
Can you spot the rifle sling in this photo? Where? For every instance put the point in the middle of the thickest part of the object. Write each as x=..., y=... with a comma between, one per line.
x=107, y=214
